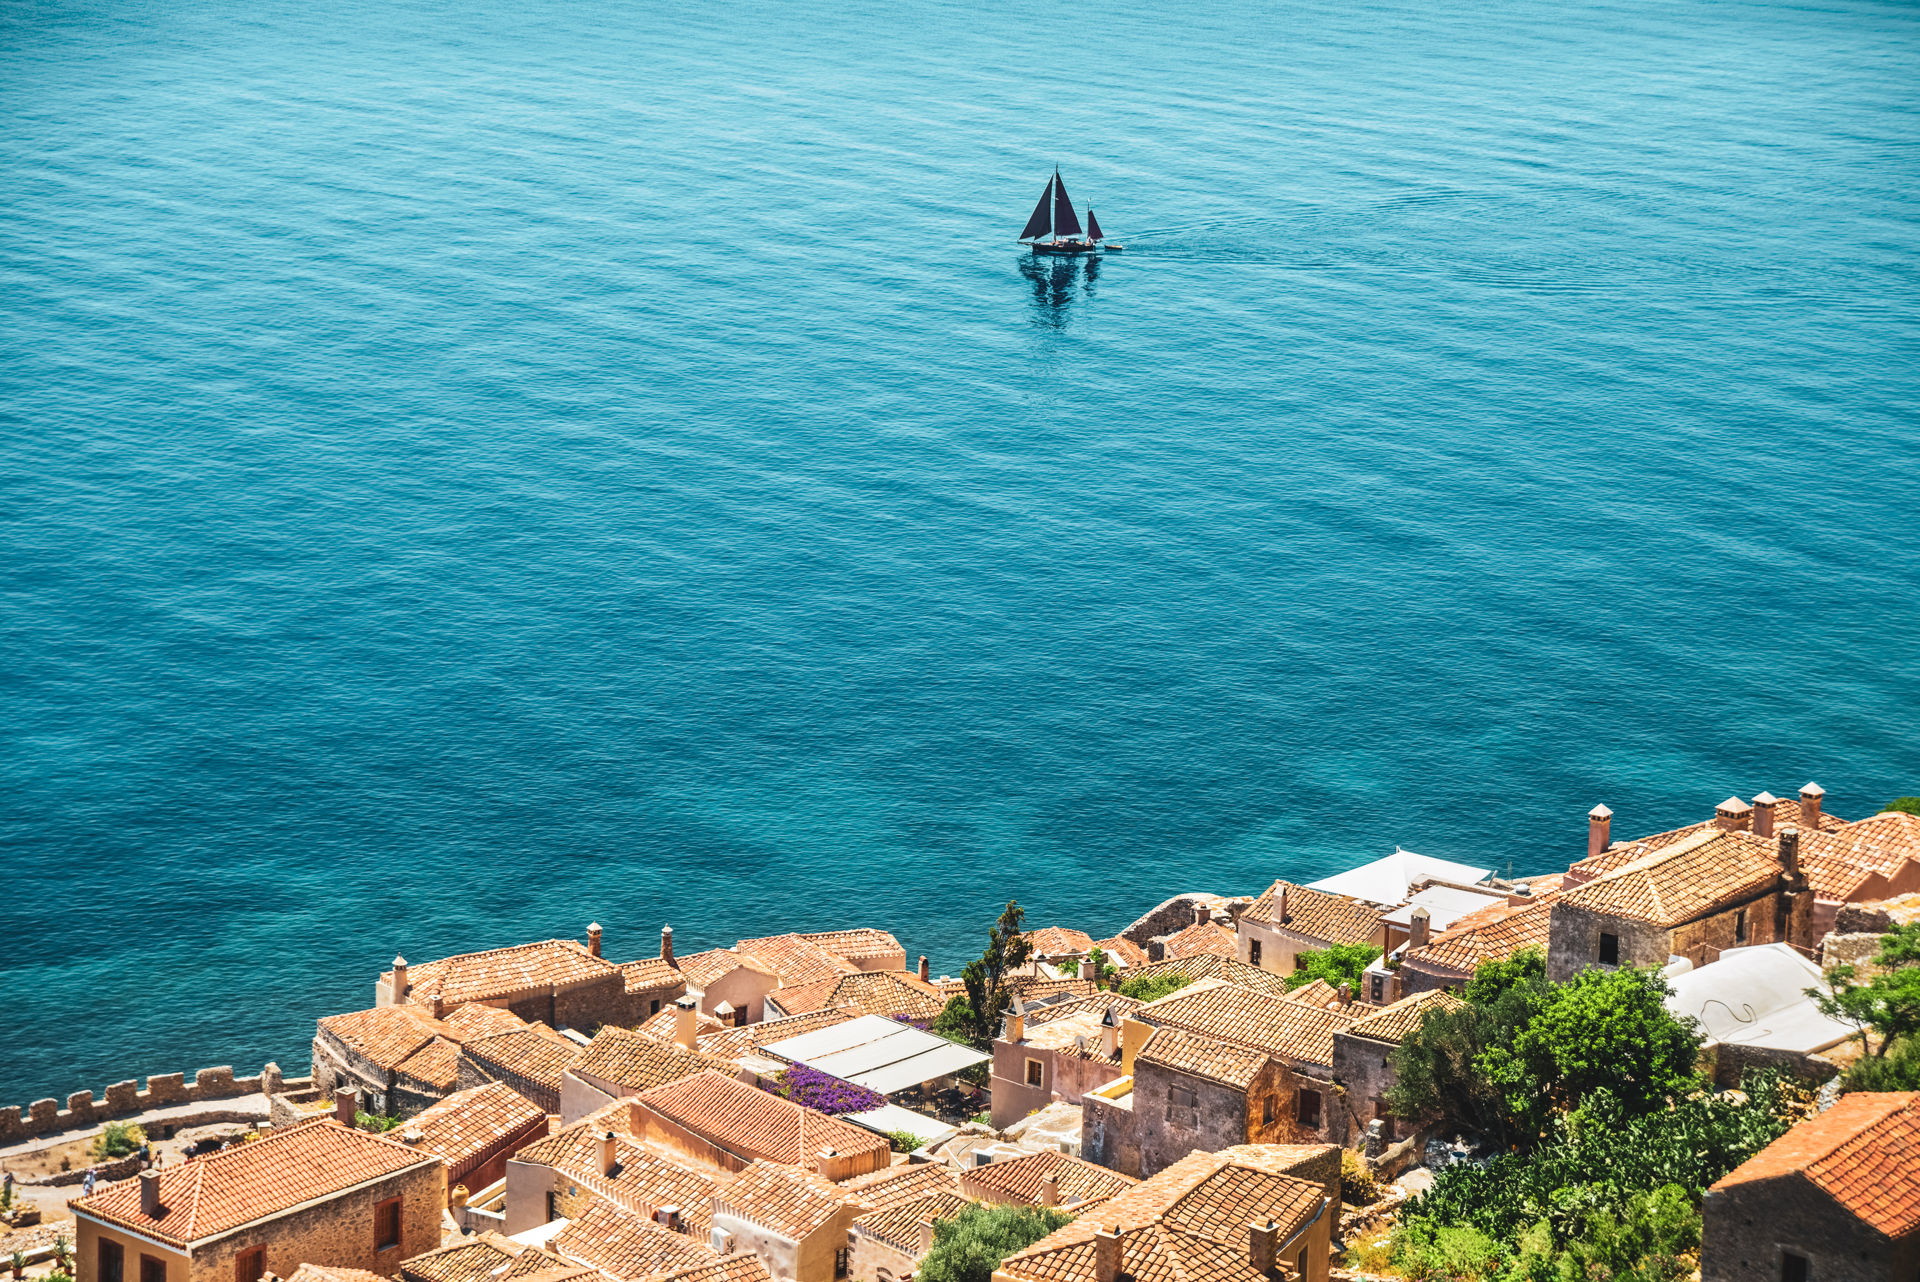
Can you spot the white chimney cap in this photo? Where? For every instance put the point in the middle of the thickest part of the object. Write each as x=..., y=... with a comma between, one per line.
x=1599, y=812
x=1765, y=799
x=1733, y=805
x=592, y=926
x=398, y=960
x=1812, y=790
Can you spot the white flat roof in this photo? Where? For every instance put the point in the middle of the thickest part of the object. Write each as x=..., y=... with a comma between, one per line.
x=882, y=1055
x=1386, y=880
x=1445, y=905
x=1757, y=997
x=889, y=1118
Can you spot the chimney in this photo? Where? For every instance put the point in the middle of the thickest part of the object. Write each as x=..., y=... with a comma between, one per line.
x=1599, y=825
x=668, y=1217
x=1810, y=806
x=830, y=1165
x=926, y=1236
x=1417, y=929
x=1346, y=993
x=1790, y=853
x=1520, y=894
x=609, y=1155
x=1733, y=815
x=666, y=945
x=346, y=1103
x=686, y=1032
x=1106, y=1255
x=1263, y=1246
x=1284, y=916
x=1016, y=1025
x=1202, y=914
x=593, y=938
x=399, y=993
x=150, y=1194
x=926, y=971
x=1763, y=814
x=413, y=1136
x=1109, y=1034
x=1050, y=1190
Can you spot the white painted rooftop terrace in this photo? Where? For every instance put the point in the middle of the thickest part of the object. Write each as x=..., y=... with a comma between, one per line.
x=1387, y=881
x=882, y=1055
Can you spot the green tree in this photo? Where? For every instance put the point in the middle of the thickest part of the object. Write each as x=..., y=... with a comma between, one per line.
x=1888, y=999
x=989, y=992
x=1098, y=967
x=1337, y=964
x=1899, y=1070
x=1905, y=805
x=1151, y=988
x=1440, y=1069
x=968, y=1247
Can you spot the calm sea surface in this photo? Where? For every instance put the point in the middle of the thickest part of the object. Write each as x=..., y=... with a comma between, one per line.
x=467, y=470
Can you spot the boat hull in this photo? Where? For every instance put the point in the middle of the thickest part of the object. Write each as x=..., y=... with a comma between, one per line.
x=1068, y=247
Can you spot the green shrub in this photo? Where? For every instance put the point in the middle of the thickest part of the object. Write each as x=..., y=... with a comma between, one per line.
x=1905, y=805
x=968, y=1247
x=375, y=1121
x=1338, y=964
x=1151, y=988
x=117, y=1139
x=1897, y=1070
x=1357, y=1184
x=1429, y=1252
x=903, y=1141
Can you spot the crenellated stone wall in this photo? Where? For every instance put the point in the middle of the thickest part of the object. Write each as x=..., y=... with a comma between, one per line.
x=83, y=1110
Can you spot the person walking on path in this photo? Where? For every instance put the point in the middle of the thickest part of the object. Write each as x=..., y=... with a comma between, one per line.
x=86, y=1185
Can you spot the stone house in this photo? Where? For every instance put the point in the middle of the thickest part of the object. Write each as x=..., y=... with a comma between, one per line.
x=557, y=982
x=318, y=1193
x=599, y=1160
x=886, y=993
x=653, y=982
x=730, y=986
x=1203, y=936
x=898, y=1208
x=1713, y=889
x=715, y=1121
x=531, y=1060
x=1860, y=862
x=1047, y=1178
x=1447, y=960
x=620, y=1063
x=1835, y=1199
x=1362, y=1062
x=400, y=1058
x=1240, y=1215
x=1208, y=966
x=1057, y=1052
x=1289, y=920
x=475, y=1131
x=796, y=1221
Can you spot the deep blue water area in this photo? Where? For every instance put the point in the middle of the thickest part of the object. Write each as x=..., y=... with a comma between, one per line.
x=467, y=470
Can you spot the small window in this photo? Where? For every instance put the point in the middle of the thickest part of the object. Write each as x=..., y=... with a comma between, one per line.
x=1267, y=1111
x=1183, y=1097
x=1740, y=927
x=1609, y=950
x=386, y=1225
x=654, y=1009
x=1253, y=952
x=1036, y=1072
x=1299, y=961
x=1793, y=1268
x=1310, y=1108
x=250, y=1265
x=113, y=1262
x=152, y=1270
x=553, y=1207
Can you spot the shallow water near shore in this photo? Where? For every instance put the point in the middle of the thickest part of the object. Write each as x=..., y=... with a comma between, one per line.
x=472, y=470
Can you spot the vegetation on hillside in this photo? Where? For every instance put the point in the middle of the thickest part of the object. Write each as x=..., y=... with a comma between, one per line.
x=968, y=1247
x=1905, y=805
x=1882, y=998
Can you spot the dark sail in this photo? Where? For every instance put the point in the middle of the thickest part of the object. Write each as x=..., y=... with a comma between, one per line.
x=1093, y=226
x=1039, y=224
x=1065, y=221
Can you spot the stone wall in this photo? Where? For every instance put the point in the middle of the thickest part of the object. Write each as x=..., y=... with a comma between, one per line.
x=1573, y=941
x=1177, y=914
x=1749, y=1227
x=84, y=1111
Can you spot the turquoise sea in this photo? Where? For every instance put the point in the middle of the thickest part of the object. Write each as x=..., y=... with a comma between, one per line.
x=470, y=469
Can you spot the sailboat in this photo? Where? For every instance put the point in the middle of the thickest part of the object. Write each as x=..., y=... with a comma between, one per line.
x=1054, y=228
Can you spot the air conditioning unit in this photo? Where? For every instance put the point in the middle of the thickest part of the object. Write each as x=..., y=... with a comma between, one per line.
x=721, y=1241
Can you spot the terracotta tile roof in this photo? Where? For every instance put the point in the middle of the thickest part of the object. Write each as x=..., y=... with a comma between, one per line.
x=1031, y=988
x=524, y=1053
x=1316, y=914
x=1096, y=1004
x=625, y=1058
x=1204, y=1057
x=387, y=1035
x=467, y=1127
x=660, y=1026
x=437, y=1064
x=1840, y=864
x=739, y=1267
x=1685, y=881
x=895, y=1185
x=1187, y=1222
x=478, y=1260
x=792, y=1202
x=860, y=943
x=875, y=992
x=753, y=1123
x=237, y=1186
x=1059, y=941
x=477, y=1020
x=1080, y=1034
x=642, y=1181
x=1018, y=1179
x=794, y=959
x=330, y=1273
x=503, y=972
x=1864, y=1153
x=1202, y=937
x=705, y=969
x=1493, y=933
x=650, y=974
x=1124, y=951
x=1291, y=1031
x=625, y=1244
x=1393, y=1023
x=730, y=1044
x=1315, y=992
x=1208, y=966
x=899, y=1225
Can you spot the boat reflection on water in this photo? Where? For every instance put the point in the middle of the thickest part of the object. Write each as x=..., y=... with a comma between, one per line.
x=1057, y=282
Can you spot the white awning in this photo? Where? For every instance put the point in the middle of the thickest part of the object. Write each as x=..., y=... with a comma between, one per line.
x=889, y=1118
x=882, y=1055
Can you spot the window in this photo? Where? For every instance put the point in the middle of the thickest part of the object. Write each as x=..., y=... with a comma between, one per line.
x=1740, y=927
x=1253, y=952
x=1309, y=1108
x=553, y=1207
x=386, y=1225
x=654, y=1009
x=1299, y=961
x=152, y=1270
x=1183, y=1097
x=113, y=1262
x=1609, y=950
x=1793, y=1268
x=250, y=1265
x=1379, y=990
x=1267, y=1111
x=1036, y=1072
